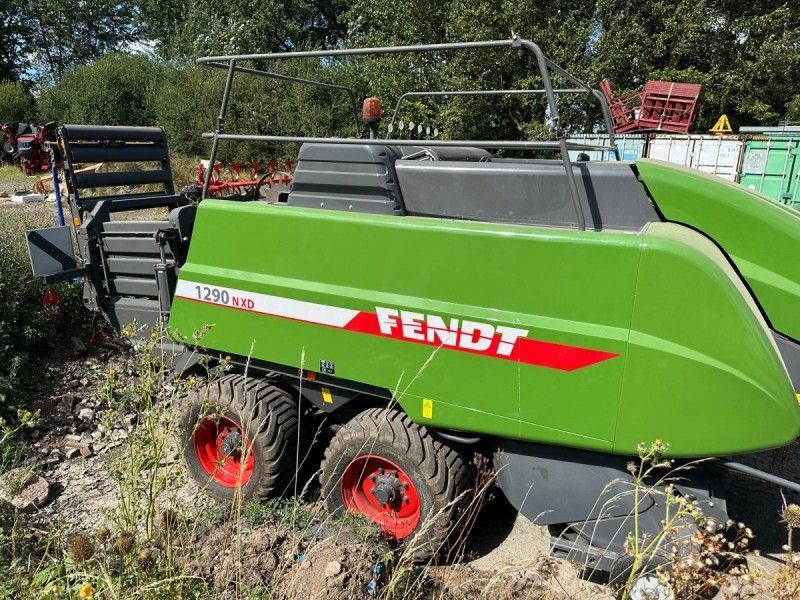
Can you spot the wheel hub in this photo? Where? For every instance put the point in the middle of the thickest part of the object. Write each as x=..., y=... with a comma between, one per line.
x=380, y=490
x=388, y=488
x=231, y=441
x=223, y=451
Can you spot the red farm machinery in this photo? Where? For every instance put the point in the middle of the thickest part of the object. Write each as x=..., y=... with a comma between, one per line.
x=660, y=106
x=25, y=144
x=232, y=179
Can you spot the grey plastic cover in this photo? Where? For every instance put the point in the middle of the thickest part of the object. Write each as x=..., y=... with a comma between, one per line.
x=532, y=192
x=50, y=251
x=354, y=177
x=790, y=353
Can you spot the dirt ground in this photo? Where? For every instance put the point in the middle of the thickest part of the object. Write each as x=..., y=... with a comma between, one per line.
x=504, y=551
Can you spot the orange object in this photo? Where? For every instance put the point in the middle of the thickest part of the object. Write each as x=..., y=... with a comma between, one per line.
x=371, y=110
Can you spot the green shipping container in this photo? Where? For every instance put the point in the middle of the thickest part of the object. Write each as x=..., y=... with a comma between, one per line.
x=771, y=166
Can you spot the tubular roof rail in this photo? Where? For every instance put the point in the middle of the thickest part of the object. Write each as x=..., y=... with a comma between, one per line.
x=544, y=64
x=446, y=93
x=279, y=76
x=497, y=144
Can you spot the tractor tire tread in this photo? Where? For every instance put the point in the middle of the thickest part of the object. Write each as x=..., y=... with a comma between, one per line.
x=442, y=468
x=267, y=413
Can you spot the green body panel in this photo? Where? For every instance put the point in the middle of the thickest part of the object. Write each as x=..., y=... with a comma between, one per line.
x=670, y=377
x=703, y=371
x=761, y=237
x=772, y=167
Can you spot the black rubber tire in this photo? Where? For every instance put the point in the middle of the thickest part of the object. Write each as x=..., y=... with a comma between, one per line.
x=267, y=413
x=440, y=474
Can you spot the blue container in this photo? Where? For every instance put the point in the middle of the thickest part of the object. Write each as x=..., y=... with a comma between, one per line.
x=631, y=146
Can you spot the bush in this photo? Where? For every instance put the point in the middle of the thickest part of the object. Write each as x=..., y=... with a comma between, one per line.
x=115, y=90
x=186, y=102
x=27, y=328
x=16, y=104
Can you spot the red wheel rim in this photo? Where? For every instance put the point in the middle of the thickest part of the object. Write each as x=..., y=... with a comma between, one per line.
x=369, y=480
x=226, y=469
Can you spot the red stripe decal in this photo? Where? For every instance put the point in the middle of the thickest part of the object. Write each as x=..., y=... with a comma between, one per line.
x=525, y=350
x=462, y=335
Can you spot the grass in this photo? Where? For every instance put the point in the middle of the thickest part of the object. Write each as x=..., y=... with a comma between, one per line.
x=12, y=174
x=28, y=329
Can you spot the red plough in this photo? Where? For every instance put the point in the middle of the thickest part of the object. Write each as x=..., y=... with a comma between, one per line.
x=229, y=181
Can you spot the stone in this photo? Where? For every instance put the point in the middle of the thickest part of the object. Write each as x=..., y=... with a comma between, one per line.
x=24, y=490
x=71, y=453
x=73, y=383
x=119, y=434
x=86, y=451
x=337, y=581
x=130, y=419
x=97, y=436
x=53, y=458
x=86, y=415
x=78, y=345
x=68, y=402
x=333, y=568
x=73, y=440
x=84, y=381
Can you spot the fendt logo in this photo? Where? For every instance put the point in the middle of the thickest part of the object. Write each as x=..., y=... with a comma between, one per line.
x=448, y=333
x=467, y=335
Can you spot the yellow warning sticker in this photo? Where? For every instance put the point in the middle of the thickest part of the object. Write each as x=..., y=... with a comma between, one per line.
x=798, y=398
x=327, y=398
x=427, y=408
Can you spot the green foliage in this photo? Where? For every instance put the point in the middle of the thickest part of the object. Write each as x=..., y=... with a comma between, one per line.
x=185, y=103
x=14, y=31
x=115, y=90
x=61, y=35
x=16, y=104
x=27, y=328
x=744, y=53
x=189, y=28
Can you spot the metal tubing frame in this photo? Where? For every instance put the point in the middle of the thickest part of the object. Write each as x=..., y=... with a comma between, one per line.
x=312, y=82
x=446, y=93
x=544, y=64
x=223, y=111
x=500, y=144
x=749, y=471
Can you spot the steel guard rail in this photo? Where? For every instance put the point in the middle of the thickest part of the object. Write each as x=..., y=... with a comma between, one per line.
x=544, y=64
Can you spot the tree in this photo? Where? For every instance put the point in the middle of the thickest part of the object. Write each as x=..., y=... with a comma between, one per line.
x=114, y=90
x=191, y=28
x=64, y=34
x=16, y=104
x=562, y=29
x=14, y=35
x=746, y=54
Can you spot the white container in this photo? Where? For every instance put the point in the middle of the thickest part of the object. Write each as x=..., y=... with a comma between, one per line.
x=718, y=155
x=26, y=197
